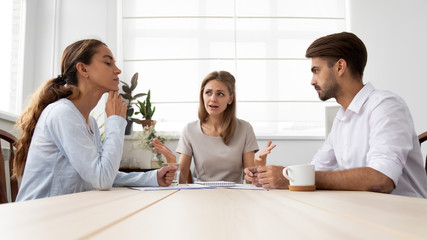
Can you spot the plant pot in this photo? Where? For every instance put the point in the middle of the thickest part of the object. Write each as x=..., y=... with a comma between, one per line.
x=157, y=160
x=155, y=165
x=148, y=122
x=128, y=130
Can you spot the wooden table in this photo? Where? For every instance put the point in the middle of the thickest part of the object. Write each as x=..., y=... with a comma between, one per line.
x=216, y=214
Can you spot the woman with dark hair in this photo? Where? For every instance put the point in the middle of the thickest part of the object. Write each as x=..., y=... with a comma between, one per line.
x=221, y=145
x=60, y=150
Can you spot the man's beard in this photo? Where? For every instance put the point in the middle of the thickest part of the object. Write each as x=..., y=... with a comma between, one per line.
x=330, y=88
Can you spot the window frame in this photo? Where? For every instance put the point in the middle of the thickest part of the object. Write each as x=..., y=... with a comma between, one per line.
x=320, y=133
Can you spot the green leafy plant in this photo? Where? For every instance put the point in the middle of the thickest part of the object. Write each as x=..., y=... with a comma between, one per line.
x=146, y=137
x=145, y=109
x=128, y=95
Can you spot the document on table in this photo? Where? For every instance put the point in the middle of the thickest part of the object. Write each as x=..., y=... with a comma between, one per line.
x=232, y=185
x=179, y=187
x=246, y=186
x=217, y=183
x=198, y=186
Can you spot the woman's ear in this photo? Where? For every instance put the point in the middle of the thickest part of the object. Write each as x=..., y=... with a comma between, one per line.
x=82, y=69
x=231, y=99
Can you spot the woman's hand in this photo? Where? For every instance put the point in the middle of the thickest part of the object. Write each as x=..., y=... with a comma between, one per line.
x=115, y=105
x=261, y=159
x=251, y=176
x=159, y=147
x=165, y=175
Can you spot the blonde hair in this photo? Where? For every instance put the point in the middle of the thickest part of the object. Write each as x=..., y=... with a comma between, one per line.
x=229, y=119
x=64, y=86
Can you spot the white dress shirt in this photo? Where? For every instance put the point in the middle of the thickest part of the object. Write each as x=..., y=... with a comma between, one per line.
x=376, y=131
x=65, y=156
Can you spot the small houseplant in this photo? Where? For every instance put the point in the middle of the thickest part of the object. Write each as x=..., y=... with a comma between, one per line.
x=146, y=110
x=144, y=141
x=130, y=100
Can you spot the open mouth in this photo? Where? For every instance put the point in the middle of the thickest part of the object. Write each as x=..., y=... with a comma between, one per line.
x=213, y=106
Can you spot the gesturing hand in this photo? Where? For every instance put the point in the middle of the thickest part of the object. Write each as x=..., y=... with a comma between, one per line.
x=159, y=147
x=262, y=156
x=115, y=105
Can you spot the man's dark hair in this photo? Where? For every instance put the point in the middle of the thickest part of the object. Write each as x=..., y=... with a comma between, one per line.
x=337, y=46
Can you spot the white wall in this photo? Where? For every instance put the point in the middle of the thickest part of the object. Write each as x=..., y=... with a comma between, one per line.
x=393, y=30
x=52, y=25
x=395, y=35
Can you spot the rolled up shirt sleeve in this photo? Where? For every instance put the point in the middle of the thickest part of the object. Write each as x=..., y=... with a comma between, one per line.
x=136, y=179
x=390, y=138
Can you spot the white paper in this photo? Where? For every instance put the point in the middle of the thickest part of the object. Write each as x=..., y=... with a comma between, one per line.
x=198, y=186
x=179, y=187
x=217, y=183
x=246, y=186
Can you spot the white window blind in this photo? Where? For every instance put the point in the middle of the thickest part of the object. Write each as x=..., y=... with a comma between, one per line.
x=175, y=44
x=10, y=20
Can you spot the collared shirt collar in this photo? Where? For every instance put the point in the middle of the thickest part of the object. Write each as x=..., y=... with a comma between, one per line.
x=360, y=98
x=357, y=102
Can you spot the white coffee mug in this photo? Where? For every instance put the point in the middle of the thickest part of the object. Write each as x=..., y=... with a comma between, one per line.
x=300, y=175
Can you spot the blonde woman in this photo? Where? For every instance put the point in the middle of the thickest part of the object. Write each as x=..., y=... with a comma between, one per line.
x=220, y=144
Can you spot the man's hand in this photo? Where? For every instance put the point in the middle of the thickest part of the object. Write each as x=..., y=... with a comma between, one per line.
x=272, y=177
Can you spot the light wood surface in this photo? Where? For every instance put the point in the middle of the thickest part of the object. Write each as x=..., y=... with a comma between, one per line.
x=72, y=216
x=276, y=214
x=217, y=214
x=401, y=216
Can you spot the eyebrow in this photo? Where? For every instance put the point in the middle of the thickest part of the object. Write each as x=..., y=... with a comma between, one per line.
x=108, y=56
x=218, y=90
x=313, y=68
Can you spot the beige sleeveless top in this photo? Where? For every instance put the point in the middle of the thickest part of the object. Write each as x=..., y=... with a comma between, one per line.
x=213, y=160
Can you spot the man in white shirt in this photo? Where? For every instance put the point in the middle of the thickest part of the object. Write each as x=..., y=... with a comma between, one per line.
x=372, y=145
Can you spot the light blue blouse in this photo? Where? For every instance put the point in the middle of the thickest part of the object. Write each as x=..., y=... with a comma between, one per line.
x=65, y=156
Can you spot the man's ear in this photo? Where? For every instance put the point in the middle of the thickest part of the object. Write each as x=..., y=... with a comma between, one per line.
x=341, y=65
x=81, y=69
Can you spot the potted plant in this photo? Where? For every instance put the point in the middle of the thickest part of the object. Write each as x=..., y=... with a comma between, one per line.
x=130, y=100
x=146, y=110
x=144, y=141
